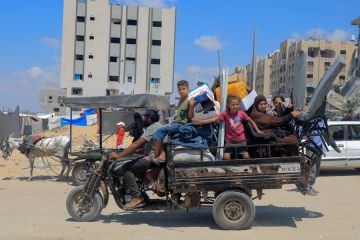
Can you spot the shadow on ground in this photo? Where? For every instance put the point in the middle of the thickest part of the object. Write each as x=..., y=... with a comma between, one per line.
x=266, y=216
x=339, y=172
x=40, y=178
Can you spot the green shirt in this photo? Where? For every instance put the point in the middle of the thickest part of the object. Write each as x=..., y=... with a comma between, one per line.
x=182, y=111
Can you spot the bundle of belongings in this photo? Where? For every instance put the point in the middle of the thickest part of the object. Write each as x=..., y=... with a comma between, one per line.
x=192, y=143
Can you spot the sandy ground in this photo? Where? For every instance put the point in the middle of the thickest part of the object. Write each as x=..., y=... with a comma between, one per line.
x=36, y=210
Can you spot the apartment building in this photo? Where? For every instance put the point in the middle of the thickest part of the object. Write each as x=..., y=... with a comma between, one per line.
x=277, y=70
x=110, y=49
x=320, y=55
x=49, y=100
x=239, y=75
x=262, y=80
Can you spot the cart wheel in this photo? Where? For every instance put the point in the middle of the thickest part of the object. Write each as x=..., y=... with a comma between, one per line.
x=233, y=210
x=55, y=165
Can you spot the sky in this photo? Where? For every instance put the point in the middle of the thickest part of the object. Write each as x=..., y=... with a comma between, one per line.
x=30, y=37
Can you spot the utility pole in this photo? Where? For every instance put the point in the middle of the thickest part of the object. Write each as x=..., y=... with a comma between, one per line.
x=356, y=22
x=252, y=82
x=219, y=63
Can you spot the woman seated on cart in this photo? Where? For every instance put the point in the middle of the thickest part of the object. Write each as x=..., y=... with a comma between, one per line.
x=268, y=123
x=234, y=128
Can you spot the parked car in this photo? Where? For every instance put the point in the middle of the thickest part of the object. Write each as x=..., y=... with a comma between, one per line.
x=347, y=137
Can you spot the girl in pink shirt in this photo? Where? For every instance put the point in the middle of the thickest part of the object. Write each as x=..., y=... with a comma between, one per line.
x=234, y=128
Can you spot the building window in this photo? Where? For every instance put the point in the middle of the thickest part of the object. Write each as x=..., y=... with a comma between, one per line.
x=157, y=24
x=116, y=21
x=309, y=76
x=342, y=77
x=80, y=19
x=79, y=57
x=112, y=92
x=310, y=63
x=77, y=91
x=90, y=75
x=113, y=59
x=78, y=77
x=131, y=41
x=130, y=59
x=92, y=18
x=80, y=38
x=91, y=37
x=91, y=56
x=343, y=52
x=115, y=40
x=155, y=81
x=313, y=51
x=156, y=42
x=130, y=79
x=326, y=65
x=327, y=53
x=155, y=61
x=132, y=22
x=56, y=110
x=113, y=78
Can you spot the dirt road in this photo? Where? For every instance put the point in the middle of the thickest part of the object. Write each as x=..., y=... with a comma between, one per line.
x=36, y=210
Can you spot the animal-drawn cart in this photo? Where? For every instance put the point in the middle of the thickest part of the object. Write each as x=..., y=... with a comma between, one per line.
x=52, y=151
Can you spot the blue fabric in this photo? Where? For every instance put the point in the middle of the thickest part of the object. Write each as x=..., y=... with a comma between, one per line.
x=317, y=139
x=197, y=142
x=188, y=135
x=190, y=131
x=172, y=128
x=81, y=121
x=89, y=111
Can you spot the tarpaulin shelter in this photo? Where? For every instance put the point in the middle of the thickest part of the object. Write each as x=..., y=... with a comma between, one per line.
x=30, y=124
x=80, y=121
x=9, y=125
x=109, y=120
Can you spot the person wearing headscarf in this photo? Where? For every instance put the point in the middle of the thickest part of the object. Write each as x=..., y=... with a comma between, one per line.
x=279, y=106
x=268, y=123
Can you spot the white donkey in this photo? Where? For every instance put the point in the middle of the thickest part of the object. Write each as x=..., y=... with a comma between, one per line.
x=46, y=147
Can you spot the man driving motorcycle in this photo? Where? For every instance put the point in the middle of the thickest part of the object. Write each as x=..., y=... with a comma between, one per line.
x=146, y=141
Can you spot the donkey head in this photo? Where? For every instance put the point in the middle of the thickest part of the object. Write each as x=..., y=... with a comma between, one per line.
x=6, y=149
x=8, y=146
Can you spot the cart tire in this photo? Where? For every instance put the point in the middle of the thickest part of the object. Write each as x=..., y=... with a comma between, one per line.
x=233, y=210
x=80, y=173
x=86, y=211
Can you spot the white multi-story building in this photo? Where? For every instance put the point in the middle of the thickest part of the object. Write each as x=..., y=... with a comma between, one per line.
x=109, y=49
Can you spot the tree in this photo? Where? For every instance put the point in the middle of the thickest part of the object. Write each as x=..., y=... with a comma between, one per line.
x=350, y=106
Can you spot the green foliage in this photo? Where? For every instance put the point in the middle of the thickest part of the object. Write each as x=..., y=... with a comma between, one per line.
x=350, y=106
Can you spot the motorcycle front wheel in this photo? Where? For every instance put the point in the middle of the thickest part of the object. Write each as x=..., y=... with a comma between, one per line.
x=82, y=208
